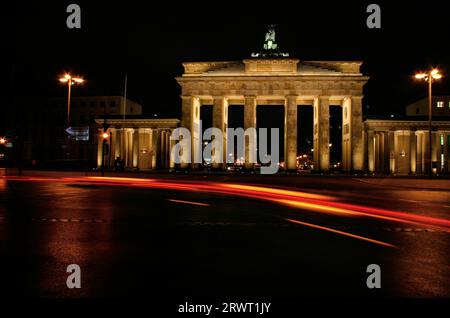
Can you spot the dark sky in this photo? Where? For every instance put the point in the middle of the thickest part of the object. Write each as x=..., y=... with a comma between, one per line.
x=150, y=40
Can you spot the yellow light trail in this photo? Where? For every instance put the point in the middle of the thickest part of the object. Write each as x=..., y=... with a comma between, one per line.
x=278, y=191
x=120, y=179
x=335, y=210
x=324, y=228
x=189, y=202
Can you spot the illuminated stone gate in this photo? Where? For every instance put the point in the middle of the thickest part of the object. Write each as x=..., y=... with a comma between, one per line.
x=281, y=81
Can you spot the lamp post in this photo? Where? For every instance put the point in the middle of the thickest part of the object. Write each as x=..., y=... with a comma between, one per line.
x=430, y=77
x=70, y=80
x=105, y=136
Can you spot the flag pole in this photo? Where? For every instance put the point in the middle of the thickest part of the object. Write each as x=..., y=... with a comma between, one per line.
x=124, y=108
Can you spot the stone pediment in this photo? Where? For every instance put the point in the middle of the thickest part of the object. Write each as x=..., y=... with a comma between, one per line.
x=273, y=67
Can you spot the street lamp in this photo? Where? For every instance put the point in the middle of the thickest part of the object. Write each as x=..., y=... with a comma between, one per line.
x=430, y=77
x=70, y=80
x=2, y=141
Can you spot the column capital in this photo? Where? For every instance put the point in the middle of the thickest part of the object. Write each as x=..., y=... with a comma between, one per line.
x=189, y=97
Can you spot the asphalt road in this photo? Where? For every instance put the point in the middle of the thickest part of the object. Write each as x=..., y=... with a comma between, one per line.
x=133, y=240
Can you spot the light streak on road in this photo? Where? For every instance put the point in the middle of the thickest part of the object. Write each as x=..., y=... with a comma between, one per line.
x=278, y=191
x=117, y=179
x=337, y=210
x=324, y=228
x=297, y=199
x=189, y=202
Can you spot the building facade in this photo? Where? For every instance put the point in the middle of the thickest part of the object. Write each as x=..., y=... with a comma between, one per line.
x=142, y=144
x=402, y=147
x=441, y=107
x=41, y=123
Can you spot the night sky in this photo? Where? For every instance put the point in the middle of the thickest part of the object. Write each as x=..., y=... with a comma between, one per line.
x=149, y=41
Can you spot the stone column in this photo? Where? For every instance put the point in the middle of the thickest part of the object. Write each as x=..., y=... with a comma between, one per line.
x=118, y=143
x=141, y=160
x=426, y=152
x=446, y=151
x=322, y=133
x=377, y=152
x=385, y=152
x=171, y=159
x=290, y=133
x=357, y=134
x=155, y=151
x=112, y=146
x=412, y=152
x=346, y=135
x=392, y=151
x=419, y=154
x=136, y=150
x=352, y=134
x=370, y=151
x=164, y=149
x=220, y=120
x=167, y=141
x=99, y=147
x=437, y=150
x=249, y=122
x=190, y=119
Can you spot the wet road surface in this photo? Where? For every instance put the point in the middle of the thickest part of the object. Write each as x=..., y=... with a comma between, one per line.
x=134, y=240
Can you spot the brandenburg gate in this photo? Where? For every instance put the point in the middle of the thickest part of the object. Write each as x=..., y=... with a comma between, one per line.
x=284, y=81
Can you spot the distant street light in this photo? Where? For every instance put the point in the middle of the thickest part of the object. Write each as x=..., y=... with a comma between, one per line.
x=430, y=77
x=67, y=78
x=2, y=141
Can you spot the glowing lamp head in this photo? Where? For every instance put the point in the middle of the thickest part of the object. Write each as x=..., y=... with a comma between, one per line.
x=437, y=76
x=105, y=135
x=2, y=141
x=67, y=78
x=420, y=76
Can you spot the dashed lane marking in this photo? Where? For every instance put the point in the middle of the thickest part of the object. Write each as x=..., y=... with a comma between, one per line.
x=64, y=220
x=3, y=218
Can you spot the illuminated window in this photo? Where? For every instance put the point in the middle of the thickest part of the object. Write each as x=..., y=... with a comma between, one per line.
x=442, y=140
x=442, y=162
x=440, y=104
